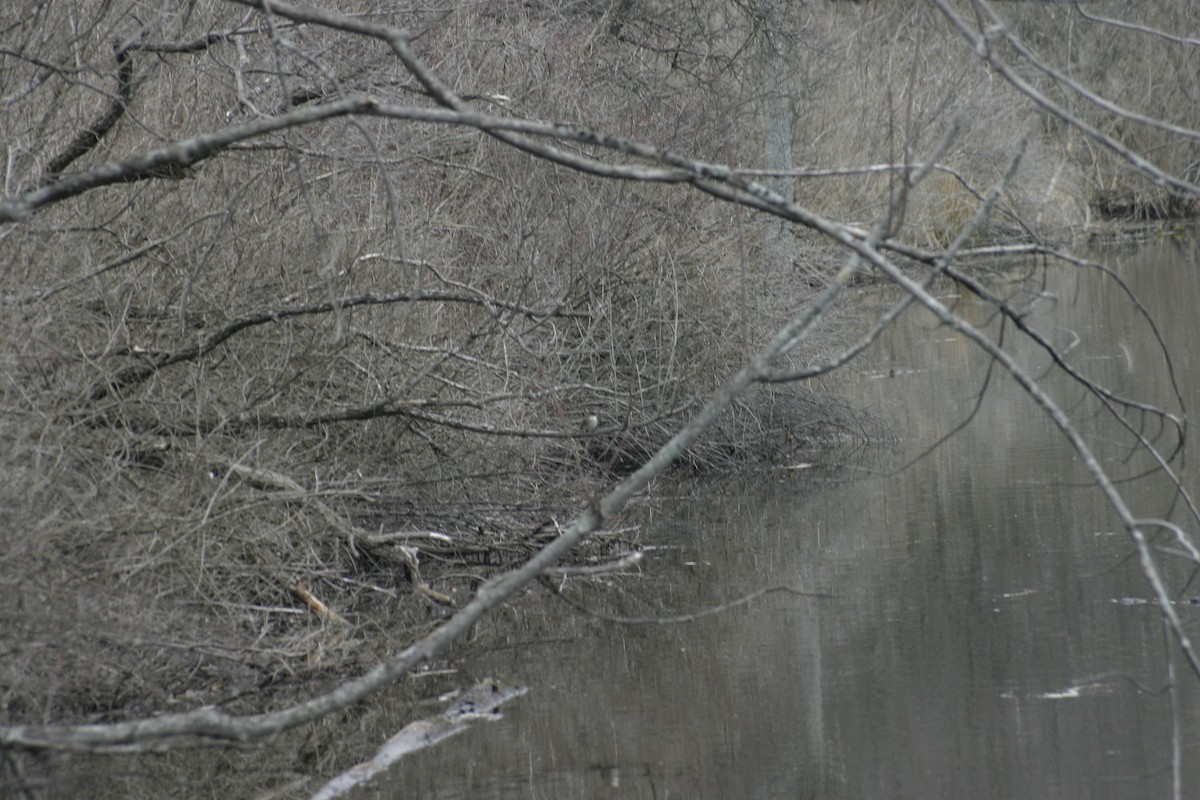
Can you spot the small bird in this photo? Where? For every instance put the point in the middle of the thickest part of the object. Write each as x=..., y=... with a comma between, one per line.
x=590, y=423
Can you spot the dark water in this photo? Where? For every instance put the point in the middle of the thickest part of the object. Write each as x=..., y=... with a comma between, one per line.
x=988, y=634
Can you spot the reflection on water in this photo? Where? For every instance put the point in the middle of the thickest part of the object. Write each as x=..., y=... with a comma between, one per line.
x=984, y=639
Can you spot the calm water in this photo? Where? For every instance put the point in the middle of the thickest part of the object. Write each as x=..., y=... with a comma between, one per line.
x=987, y=637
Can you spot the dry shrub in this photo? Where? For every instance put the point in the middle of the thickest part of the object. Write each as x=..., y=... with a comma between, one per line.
x=182, y=448
x=1142, y=72
x=887, y=80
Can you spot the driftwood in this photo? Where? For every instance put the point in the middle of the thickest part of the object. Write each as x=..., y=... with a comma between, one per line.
x=481, y=701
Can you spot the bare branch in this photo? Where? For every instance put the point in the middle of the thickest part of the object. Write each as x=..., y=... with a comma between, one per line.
x=981, y=42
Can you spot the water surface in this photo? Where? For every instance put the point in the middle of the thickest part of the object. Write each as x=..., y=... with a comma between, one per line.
x=987, y=634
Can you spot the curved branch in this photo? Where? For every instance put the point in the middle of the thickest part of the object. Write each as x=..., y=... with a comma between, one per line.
x=86, y=140
x=137, y=373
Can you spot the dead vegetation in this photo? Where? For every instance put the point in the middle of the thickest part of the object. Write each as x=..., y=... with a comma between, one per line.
x=262, y=419
x=337, y=376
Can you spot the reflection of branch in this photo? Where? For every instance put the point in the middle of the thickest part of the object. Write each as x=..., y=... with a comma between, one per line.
x=1133, y=525
x=693, y=616
x=1107, y=396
